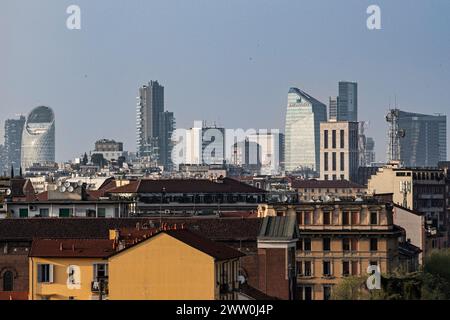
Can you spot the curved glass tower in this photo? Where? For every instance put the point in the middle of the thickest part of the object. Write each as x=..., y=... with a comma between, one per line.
x=302, y=132
x=38, y=138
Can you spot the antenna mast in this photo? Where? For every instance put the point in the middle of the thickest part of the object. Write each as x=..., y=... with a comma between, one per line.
x=394, y=136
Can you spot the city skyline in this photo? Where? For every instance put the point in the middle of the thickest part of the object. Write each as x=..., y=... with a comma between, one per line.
x=195, y=75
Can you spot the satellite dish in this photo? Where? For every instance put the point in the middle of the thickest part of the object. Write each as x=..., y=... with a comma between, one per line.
x=67, y=184
x=59, y=183
x=8, y=192
x=70, y=189
x=62, y=189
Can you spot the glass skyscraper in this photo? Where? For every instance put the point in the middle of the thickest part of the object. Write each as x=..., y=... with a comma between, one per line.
x=302, y=131
x=425, y=141
x=347, y=103
x=13, y=143
x=38, y=138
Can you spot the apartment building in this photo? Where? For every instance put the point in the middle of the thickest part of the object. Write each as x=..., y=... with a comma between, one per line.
x=340, y=239
x=339, y=151
x=168, y=264
x=417, y=189
x=318, y=190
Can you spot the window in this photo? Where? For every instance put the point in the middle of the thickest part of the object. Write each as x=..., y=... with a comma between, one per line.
x=23, y=213
x=373, y=263
x=327, y=177
x=325, y=139
x=8, y=281
x=346, y=244
x=345, y=218
x=100, y=271
x=300, y=245
x=90, y=213
x=342, y=161
x=333, y=138
x=45, y=273
x=307, y=269
x=373, y=244
x=342, y=136
x=326, y=244
x=307, y=218
x=325, y=161
x=345, y=268
x=327, y=218
x=333, y=164
x=326, y=292
x=300, y=217
x=44, y=213
x=101, y=213
x=64, y=213
x=326, y=268
x=373, y=218
x=307, y=244
x=304, y=293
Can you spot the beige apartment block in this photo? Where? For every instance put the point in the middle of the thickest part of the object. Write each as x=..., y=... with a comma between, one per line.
x=339, y=150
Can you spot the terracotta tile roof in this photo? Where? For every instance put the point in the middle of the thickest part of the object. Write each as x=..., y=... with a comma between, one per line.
x=325, y=184
x=226, y=185
x=69, y=248
x=214, y=249
x=92, y=195
x=218, y=229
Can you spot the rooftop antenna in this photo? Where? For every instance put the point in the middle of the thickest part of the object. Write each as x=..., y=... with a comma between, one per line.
x=395, y=134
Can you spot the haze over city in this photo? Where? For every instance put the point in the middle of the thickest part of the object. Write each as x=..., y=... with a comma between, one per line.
x=231, y=62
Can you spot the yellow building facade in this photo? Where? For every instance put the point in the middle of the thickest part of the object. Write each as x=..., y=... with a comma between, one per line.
x=166, y=268
x=69, y=269
x=167, y=265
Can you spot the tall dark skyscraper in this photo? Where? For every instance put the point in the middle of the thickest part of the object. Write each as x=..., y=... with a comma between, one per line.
x=154, y=126
x=13, y=143
x=347, y=102
x=425, y=140
x=149, y=107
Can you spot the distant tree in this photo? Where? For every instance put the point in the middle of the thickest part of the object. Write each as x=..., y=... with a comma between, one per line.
x=437, y=275
x=98, y=160
x=351, y=288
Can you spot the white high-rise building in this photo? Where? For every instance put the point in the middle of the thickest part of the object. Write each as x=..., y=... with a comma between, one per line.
x=38, y=138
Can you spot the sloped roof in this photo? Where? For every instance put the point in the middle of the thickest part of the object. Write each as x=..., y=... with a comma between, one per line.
x=71, y=248
x=227, y=229
x=214, y=249
x=279, y=228
x=225, y=185
x=325, y=184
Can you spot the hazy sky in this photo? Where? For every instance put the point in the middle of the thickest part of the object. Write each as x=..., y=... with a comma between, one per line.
x=229, y=61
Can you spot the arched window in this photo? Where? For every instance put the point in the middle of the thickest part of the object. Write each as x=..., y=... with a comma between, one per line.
x=8, y=281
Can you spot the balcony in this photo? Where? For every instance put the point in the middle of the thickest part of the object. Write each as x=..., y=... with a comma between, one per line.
x=100, y=286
